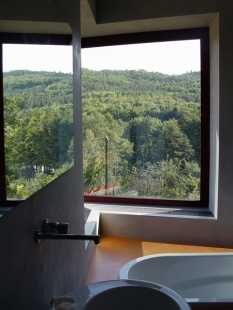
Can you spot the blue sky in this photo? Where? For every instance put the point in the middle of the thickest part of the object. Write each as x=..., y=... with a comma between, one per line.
x=168, y=57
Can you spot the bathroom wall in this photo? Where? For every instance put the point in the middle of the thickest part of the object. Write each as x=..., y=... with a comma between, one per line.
x=32, y=273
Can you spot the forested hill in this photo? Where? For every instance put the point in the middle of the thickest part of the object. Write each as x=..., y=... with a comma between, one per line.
x=186, y=85
x=151, y=120
x=46, y=88
x=38, y=88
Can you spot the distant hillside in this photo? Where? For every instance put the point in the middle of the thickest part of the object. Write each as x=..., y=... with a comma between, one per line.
x=38, y=89
x=46, y=88
x=186, y=86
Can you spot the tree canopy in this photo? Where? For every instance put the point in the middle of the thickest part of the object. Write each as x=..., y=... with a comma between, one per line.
x=152, y=121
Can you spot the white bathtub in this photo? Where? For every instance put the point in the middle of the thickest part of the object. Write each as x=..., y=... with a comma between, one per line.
x=204, y=280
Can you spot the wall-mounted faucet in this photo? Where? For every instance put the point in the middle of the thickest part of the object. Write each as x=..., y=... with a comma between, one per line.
x=60, y=231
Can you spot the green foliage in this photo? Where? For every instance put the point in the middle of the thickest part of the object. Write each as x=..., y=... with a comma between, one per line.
x=125, y=174
x=152, y=121
x=176, y=143
x=38, y=88
x=168, y=179
x=22, y=188
x=37, y=139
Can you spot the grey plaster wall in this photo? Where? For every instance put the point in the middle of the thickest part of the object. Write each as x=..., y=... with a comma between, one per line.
x=110, y=11
x=30, y=10
x=32, y=273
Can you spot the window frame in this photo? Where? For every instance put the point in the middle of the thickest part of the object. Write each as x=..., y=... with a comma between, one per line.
x=164, y=36
x=122, y=39
x=19, y=38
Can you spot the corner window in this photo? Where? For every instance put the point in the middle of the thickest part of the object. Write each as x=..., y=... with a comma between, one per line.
x=146, y=118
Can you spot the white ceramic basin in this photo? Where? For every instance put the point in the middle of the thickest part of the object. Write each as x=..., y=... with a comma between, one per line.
x=127, y=295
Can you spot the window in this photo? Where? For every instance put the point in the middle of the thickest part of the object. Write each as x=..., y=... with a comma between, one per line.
x=37, y=113
x=128, y=118
x=146, y=133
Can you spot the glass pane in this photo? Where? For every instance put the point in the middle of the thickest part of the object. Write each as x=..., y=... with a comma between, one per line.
x=38, y=116
x=141, y=120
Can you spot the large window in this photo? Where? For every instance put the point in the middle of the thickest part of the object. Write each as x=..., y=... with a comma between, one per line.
x=37, y=113
x=145, y=128
x=146, y=118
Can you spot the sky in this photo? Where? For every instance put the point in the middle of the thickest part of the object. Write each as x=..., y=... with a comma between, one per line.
x=168, y=57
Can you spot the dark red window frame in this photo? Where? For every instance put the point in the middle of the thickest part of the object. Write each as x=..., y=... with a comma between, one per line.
x=132, y=38
x=163, y=36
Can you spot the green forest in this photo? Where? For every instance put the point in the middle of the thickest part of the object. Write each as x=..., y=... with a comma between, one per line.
x=149, y=122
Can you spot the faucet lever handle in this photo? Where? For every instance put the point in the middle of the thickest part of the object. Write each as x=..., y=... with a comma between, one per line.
x=62, y=228
x=55, y=228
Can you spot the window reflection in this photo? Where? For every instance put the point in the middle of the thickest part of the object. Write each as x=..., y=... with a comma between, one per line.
x=38, y=116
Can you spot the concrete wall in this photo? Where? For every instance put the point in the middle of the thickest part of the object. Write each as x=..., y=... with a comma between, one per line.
x=32, y=273
x=112, y=11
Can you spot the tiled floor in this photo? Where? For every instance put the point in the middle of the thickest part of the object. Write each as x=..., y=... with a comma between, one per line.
x=113, y=252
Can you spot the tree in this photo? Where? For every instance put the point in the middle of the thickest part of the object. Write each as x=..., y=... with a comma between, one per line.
x=176, y=144
x=144, y=134
x=12, y=130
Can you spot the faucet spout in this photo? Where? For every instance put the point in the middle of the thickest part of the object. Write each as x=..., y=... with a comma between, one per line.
x=39, y=236
x=57, y=230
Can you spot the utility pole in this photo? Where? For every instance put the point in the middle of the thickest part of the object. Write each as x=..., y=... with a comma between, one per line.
x=106, y=164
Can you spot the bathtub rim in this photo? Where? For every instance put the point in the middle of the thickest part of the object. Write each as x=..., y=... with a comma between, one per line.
x=226, y=303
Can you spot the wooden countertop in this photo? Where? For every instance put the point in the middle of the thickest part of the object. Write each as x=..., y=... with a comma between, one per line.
x=113, y=252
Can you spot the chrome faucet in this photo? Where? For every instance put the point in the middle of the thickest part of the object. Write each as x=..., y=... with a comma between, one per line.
x=60, y=231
